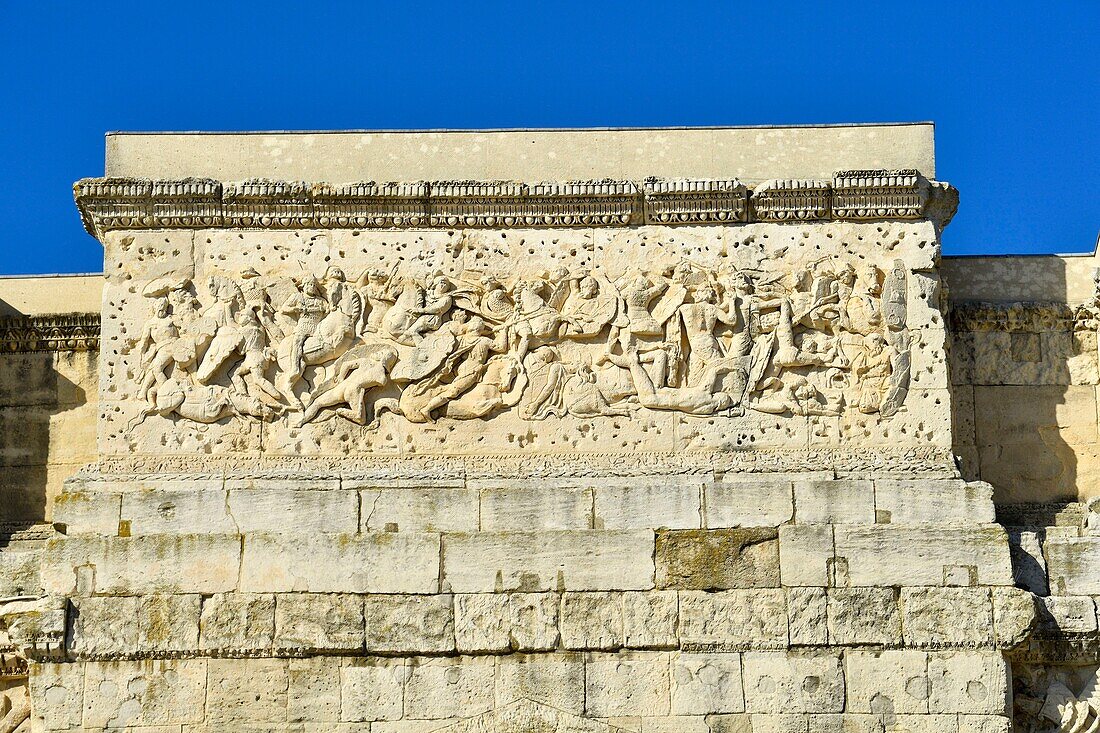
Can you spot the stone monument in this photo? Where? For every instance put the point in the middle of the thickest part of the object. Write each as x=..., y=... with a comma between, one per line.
x=653, y=454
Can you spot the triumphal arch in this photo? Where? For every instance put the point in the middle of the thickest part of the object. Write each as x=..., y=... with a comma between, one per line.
x=662, y=431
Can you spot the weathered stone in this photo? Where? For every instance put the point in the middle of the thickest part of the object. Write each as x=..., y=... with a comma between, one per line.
x=703, y=684
x=495, y=622
x=1067, y=614
x=673, y=503
x=168, y=624
x=834, y=502
x=313, y=690
x=733, y=620
x=936, y=618
x=315, y=509
x=449, y=687
x=57, y=695
x=20, y=571
x=788, y=682
x=137, y=565
x=624, y=684
x=887, y=683
x=88, y=512
x=650, y=620
x=752, y=502
x=1073, y=564
x=592, y=621
x=1015, y=614
x=527, y=508
x=176, y=511
x=845, y=723
x=246, y=691
x=717, y=559
x=243, y=622
x=864, y=616
x=324, y=563
x=372, y=689
x=915, y=555
x=151, y=692
x=730, y=723
x=409, y=624
x=807, y=612
x=556, y=680
x=103, y=627
x=489, y=562
x=917, y=501
x=318, y=622
x=984, y=724
x=1029, y=567
x=968, y=682
x=414, y=509
x=806, y=555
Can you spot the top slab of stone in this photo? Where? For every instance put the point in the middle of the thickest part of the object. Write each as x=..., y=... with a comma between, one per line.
x=748, y=153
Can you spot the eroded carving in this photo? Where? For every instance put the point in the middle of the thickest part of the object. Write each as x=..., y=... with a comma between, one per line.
x=824, y=339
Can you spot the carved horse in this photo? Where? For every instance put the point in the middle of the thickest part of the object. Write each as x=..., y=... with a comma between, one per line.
x=333, y=336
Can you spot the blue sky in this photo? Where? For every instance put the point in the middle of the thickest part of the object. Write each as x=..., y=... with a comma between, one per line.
x=1013, y=87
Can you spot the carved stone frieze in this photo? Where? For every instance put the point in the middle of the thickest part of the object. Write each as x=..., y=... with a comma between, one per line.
x=66, y=332
x=108, y=204
x=1015, y=317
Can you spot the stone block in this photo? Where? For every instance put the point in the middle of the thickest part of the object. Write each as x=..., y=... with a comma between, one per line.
x=984, y=724
x=622, y=684
x=1073, y=564
x=20, y=570
x=527, y=508
x=968, y=682
x=177, y=511
x=88, y=512
x=864, y=616
x=1029, y=567
x=793, y=682
x=449, y=687
x=834, y=502
x=372, y=689
x=888, y=682
x=1015, y=613
x=168, y=624
x=420, y=510
x=1067, y=614
x=921, y=555
x=933, y=501
x=240, y=622
x=244, y=692
x=845, y=723
x=147, y=692
x=671, y=502
x=57, y=695
x=103, y=627
x=592, y=621
x=318, y=622
x=807, y=611
x=556, y=680
x=806, y=554
x=733, y=620
x=749, y=502
x=936, y=618
x=489, y=562
x=717, y=559
x=290, y=511
x=409, y=624
x=495, y=622
x=138, y=565
x=705, y=684
x=377, y=562
x=924, y=723
x=313, y=691
x=730, y=723
x=651, y=619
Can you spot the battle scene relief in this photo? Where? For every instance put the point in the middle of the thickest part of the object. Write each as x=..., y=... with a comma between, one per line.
x=460, y=329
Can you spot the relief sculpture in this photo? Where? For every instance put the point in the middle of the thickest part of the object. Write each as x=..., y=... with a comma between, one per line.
x=820, y=340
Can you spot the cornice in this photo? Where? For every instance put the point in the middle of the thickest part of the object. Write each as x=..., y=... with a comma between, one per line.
x=1015, y=317
x=125, y=203
x=64, y=332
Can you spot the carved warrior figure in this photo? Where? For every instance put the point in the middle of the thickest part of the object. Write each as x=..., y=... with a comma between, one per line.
x=829, y=335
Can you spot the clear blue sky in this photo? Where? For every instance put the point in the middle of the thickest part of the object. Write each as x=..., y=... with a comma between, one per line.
x=1013, y=87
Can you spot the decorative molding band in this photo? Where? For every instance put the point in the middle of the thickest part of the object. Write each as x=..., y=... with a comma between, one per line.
x=124, y=203
x=67, y=332
x=1018, y=317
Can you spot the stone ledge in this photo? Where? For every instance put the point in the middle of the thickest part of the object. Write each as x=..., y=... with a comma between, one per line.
x=65, y=332
x=128, y=203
